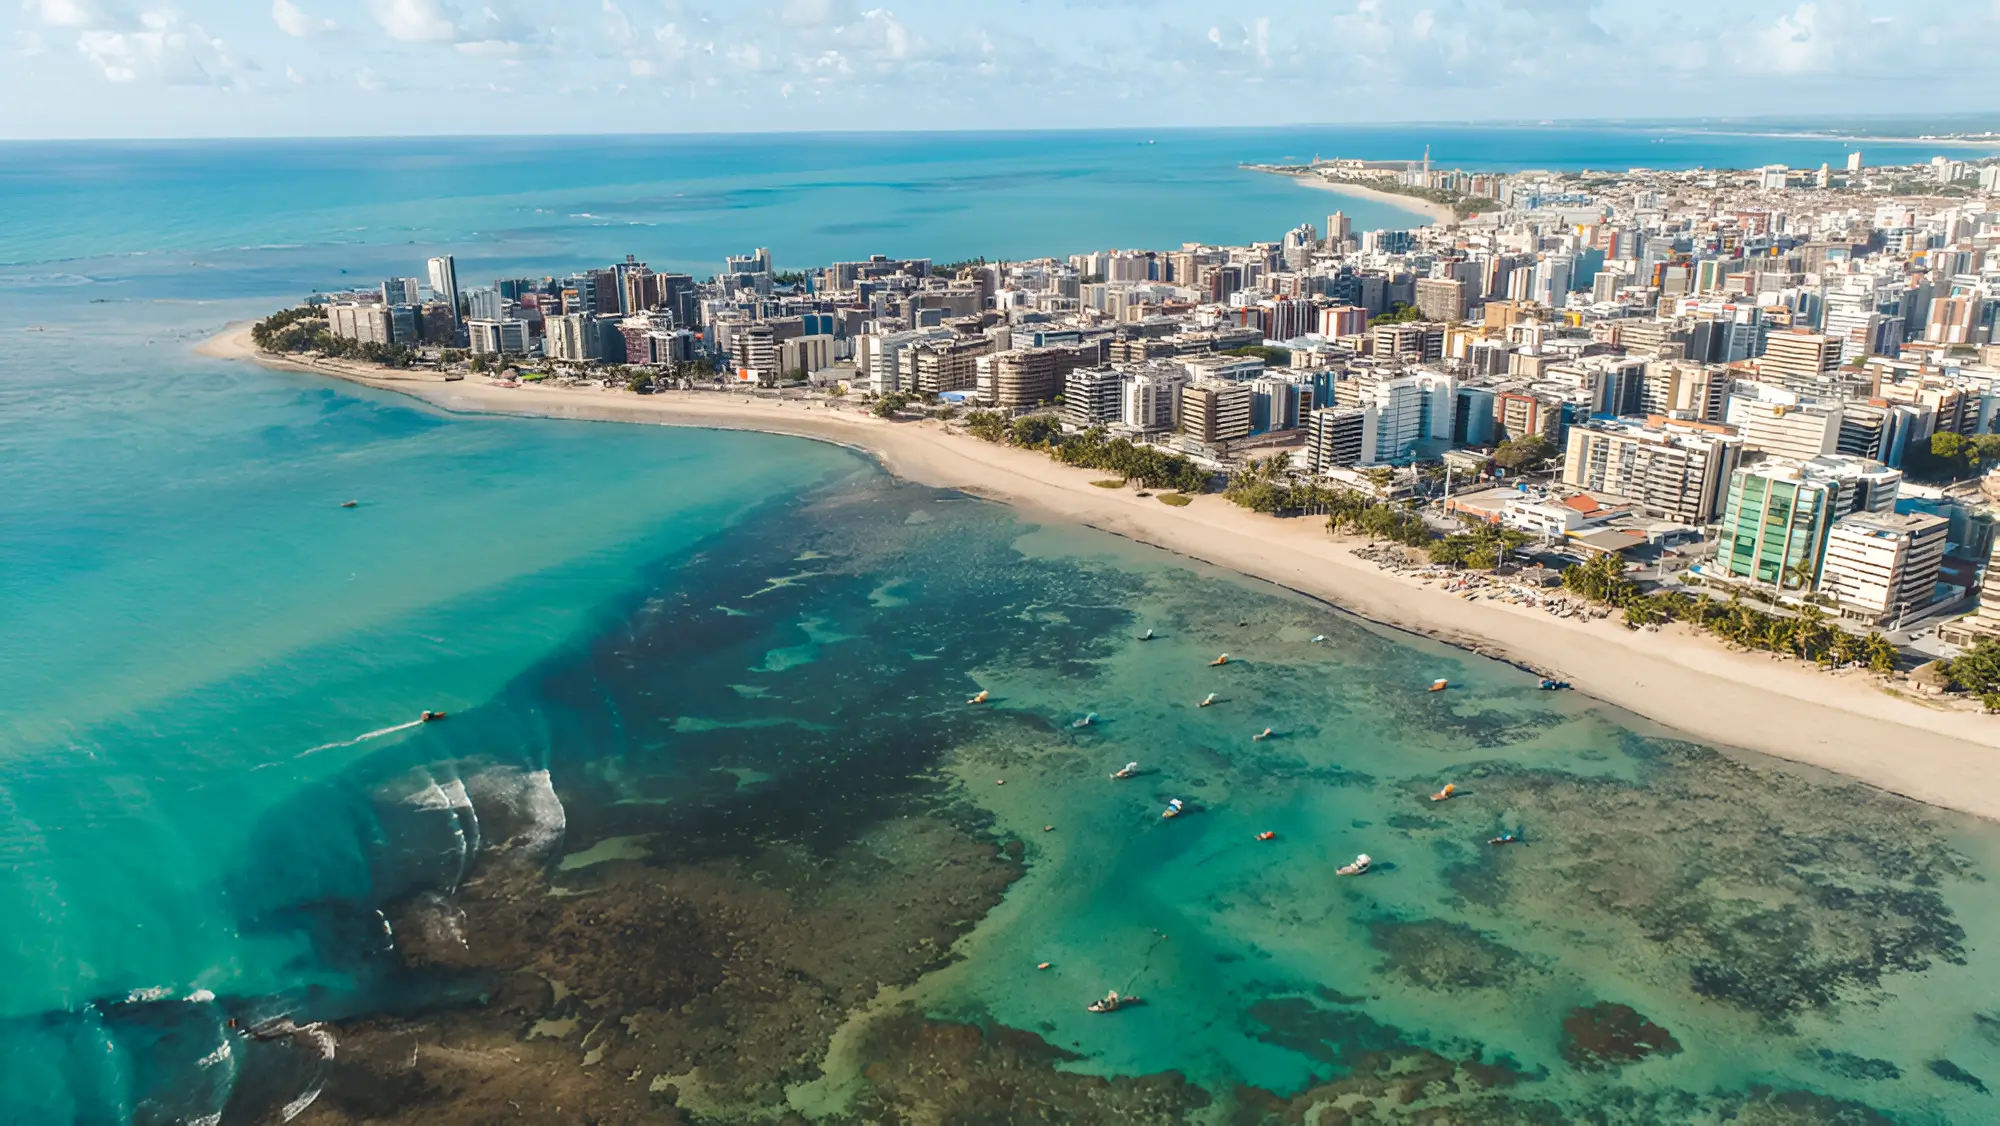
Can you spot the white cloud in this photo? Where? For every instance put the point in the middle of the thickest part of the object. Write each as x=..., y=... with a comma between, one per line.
x=490, y=48
x=64, y=13
x=296, y=22
x=160, y=49
x=415, y=21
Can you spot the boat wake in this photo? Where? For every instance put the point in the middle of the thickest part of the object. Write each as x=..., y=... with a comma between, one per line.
x=358, y=739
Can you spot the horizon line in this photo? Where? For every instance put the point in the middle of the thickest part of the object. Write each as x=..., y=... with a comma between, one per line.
x=1805, y=127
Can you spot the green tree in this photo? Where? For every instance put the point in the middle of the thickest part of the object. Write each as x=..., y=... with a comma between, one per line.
x=1524, y=455
x=990, y=426
x=1036, y=431
x=1271, y=354
x=1977, y=671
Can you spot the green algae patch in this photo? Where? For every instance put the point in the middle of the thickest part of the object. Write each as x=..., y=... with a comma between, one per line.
x=1607, y=1034
x=1443, y=956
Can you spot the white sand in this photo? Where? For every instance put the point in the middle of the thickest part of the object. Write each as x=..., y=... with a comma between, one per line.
x=1439, y=214
x=1936, y=753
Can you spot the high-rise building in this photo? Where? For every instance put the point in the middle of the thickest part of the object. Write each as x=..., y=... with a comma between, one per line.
x=1343, y=320
x=444, y=281
x=571, y=337
x=877, y=358
x=1441, y=299
x=1798, y=354
x=485, y=304
x=1411, y=342
x=1152, y=397
x=366, y=324
x=1340, y=438
x=1518, y=414
x=1339, y=228
x=1213, y=413
x=1884, y=567
x=1786, y=430
x=949, y=363
x=803, y=355
x=1692, y=391
x=495, y=337
x=1092, y=396
x=1278, y=403
x=1681, y=472
x=1552, y=280
x=1020, y=377
x=1775, y=525
x=402, y=291
x=1411, y=412
x=757, y=261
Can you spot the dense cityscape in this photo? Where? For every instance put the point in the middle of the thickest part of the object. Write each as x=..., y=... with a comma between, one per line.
x=1775, y=384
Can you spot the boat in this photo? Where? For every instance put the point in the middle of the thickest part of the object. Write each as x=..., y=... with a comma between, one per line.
x=1440, y=684
x=1206, y=700
x=1548, y=685
x=1131, y=768
x=979, y=699
x=1261, y=736
x=1086, y=721
x=1319, y=639
x=1267, y=835
x=1173, y=810
x=1222, y=660
x=430, y=717
x=1112, y=1002
x=1361, y=864
x=1506, y=838
x=349, y=503
x=1445, y=794
x=1147, y=636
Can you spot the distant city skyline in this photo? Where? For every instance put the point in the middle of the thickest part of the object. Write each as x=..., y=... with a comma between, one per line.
x=157, y=68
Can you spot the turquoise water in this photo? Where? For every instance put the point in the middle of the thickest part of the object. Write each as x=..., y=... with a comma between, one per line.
x=208, y=788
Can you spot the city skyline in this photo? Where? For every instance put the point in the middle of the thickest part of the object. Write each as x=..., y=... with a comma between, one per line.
x=392, y=67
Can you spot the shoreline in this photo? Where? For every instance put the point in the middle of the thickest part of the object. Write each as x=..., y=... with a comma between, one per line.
x=1437, y=214
x=1942, y=756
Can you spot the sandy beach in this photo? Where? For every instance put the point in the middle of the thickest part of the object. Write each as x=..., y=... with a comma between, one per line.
x=1844, y=722
x=1439, y=214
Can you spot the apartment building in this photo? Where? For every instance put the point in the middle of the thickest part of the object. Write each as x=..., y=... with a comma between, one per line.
x=1680, y=472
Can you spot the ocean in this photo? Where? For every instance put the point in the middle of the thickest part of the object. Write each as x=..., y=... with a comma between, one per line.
x=709, y=785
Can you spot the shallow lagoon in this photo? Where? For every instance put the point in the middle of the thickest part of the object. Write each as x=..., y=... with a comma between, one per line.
x=778, y=810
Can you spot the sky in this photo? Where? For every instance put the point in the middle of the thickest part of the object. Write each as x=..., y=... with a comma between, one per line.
x=197, y=68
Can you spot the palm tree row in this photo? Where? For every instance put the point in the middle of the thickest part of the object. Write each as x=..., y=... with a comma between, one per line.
x=1809, y=635
x=1092, y=449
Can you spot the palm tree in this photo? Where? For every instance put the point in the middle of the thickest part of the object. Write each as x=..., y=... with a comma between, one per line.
x=1801, y=573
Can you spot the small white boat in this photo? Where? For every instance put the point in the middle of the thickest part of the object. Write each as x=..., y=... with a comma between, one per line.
x=1086, y=721
x=1173, y=809
x=1131, y=769
x=1111, y=1003
x=1147, y=636
x=1361, y=864
x=1319, y=639
x=1206, y=700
